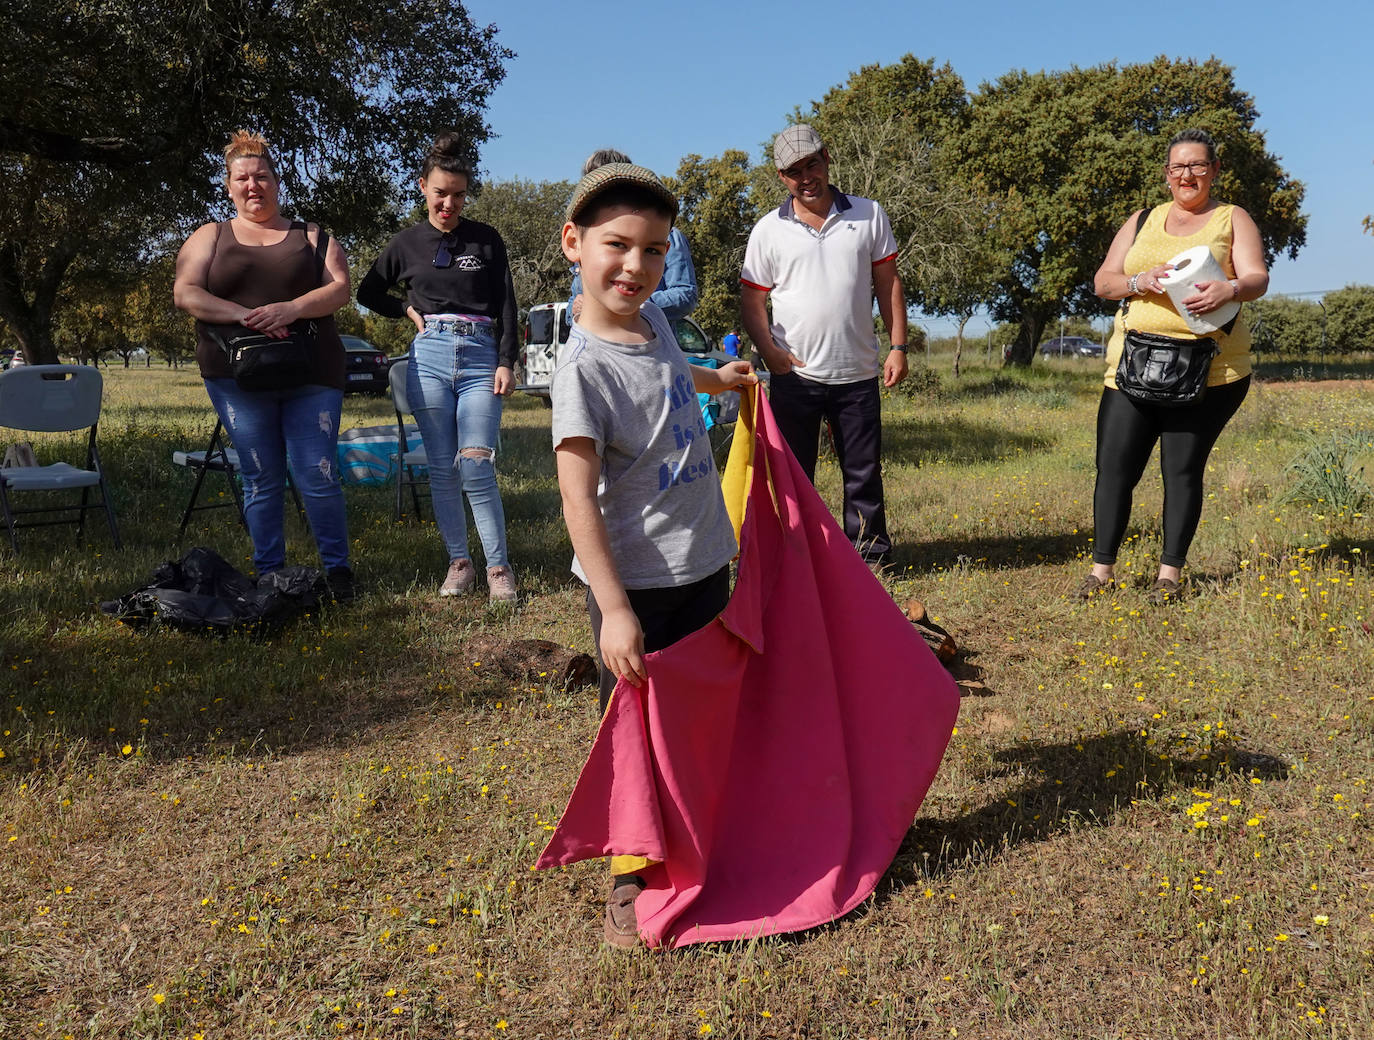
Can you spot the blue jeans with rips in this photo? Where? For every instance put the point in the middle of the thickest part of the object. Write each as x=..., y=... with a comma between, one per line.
x=449, y=387
x=268, y=427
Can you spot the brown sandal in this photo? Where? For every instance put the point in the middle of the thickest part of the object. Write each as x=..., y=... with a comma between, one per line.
x=1093, y=586
x=1164, y=590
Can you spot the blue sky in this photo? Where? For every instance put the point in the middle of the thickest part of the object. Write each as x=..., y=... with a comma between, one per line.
x=660, y=81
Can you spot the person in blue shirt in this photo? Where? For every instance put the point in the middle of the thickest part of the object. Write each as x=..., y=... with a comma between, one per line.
x=676, y=295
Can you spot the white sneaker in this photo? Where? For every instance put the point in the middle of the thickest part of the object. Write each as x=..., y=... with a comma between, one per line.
x=461, y=578
x=501, y=583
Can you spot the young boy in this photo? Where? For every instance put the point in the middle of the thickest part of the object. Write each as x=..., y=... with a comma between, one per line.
x=641, y=499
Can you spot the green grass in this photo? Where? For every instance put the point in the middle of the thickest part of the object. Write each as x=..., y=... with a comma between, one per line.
x=1150, y=823
x=1329, y=473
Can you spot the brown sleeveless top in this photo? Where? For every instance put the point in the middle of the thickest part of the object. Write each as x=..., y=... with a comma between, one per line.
x=256, y=275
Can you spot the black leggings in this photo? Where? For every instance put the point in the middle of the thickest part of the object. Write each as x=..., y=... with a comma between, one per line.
x=1126, y=434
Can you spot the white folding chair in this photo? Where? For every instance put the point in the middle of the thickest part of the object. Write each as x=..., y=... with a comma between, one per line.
x=408, y=460
x=53, y=399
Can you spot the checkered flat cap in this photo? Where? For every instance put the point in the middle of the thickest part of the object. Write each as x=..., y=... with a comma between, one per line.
x=794, y=144
x=610, y=175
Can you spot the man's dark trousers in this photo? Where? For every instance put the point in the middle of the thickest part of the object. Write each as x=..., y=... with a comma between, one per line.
x=854, y=413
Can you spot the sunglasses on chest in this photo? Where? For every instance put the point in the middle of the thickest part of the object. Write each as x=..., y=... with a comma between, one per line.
x=443, y=255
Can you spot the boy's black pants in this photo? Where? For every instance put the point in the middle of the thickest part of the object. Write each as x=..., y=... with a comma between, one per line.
x=665, y=615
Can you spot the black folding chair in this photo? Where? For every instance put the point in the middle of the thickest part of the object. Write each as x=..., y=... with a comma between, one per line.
x=220, y=457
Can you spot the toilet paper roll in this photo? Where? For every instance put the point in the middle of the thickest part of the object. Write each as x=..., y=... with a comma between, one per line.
x=1190, y=267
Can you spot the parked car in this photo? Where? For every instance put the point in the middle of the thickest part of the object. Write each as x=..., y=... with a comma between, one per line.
x=365, y=367
x=547, y=331
x=1071, y=346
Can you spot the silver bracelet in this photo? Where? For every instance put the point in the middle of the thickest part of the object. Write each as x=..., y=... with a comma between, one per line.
x=1131, y=289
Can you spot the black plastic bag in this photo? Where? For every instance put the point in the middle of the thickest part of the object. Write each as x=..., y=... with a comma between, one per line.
x=203, y=593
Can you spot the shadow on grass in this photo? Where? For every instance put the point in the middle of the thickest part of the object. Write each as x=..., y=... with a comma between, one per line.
x=968, y=676
x=1357, y=552
x=955, y=441
x=1030, y=388
x=1029, y=550
x=1070, y=792
x=280, y=694
x=1080, y=784
x=82, y=683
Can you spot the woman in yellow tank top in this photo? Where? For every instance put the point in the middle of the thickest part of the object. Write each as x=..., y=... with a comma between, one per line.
x=1127, y=430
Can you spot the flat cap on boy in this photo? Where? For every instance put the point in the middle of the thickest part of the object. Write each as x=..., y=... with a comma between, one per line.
x=608, y=176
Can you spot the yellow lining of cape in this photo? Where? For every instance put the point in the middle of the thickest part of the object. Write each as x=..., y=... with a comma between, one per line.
x=739, y=469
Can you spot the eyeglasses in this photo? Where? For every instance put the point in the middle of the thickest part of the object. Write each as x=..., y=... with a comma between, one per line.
x=443, y=256
x=1197, y=169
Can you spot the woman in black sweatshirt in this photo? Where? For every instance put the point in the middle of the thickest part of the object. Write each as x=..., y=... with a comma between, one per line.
x=458, y=292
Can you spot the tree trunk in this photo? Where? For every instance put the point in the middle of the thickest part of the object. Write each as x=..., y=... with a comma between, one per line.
x=27, y=310
x=959, y=342
x=1028, y=334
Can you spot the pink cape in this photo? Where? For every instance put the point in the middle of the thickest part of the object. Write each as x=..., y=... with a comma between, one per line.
x=776, y=758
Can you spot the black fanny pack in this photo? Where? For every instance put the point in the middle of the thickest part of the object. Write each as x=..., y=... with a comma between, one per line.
x=262, y=362
x=1164, y=370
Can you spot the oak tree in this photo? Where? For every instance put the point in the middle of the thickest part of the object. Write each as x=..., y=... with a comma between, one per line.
x=721, y=198
x=1069, y=155
x=112, y=112
x=529, y=216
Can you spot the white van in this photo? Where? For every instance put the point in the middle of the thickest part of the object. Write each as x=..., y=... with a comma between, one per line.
x=547, y=331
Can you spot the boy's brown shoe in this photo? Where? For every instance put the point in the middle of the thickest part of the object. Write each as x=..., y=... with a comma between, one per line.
x=622, y=926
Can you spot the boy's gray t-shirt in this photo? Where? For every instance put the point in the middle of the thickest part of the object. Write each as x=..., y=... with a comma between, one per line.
x=659, y=493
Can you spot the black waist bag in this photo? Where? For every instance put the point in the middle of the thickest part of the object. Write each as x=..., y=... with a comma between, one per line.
x=262, y=362
x=1164, y=370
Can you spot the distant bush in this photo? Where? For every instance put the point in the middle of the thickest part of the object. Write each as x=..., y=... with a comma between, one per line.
x=1350, y=319
x=922, y=382
x=1290, y=327
x=1286, y=326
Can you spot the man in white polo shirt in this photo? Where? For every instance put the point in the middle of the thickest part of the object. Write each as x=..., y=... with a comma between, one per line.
x=822, y=256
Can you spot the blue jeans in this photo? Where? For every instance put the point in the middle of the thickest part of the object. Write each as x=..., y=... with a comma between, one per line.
x=267, y=427
x=449, y=387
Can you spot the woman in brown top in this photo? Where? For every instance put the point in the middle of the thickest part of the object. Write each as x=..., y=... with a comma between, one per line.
x=260, y=270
